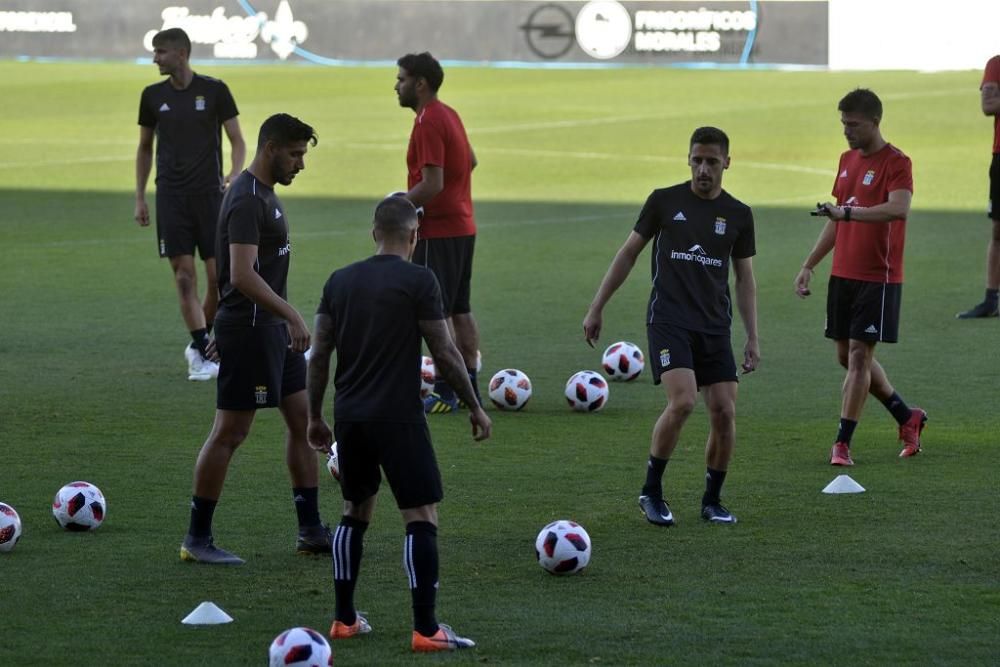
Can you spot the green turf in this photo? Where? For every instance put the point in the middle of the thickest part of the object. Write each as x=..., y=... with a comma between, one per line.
x=93, y=385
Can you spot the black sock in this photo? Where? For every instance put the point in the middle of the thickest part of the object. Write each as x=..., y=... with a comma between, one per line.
x=348, y=545
x=420, y=558
x=714, y=479
x=444, y=390
x=202, y=510
x=199, y=339
x=846, y=431
x=307, y=506
x=654, y=477
x=899, y=410
x=475, y=387
x=992, y=296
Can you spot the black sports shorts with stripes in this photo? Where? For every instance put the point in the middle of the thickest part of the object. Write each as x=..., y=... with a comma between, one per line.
x=710, y=356
x=993, y=210
x=402, y=450
x=863, y=310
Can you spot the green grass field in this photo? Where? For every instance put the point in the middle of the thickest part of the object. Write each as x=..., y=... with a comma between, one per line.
x=93, y=385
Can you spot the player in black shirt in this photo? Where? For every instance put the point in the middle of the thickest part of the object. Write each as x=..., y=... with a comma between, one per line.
x=374, y=313
x=697, y=230
x=260, y=339
x=187, y=113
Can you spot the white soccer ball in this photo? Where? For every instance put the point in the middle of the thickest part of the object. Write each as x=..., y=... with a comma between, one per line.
x=587, y=391
x=563, y=547
x=79, y=506
x=427, y=375
x=623, y=361
x=333, y=462
x=510, y=389
x=300, y=647
x=10, y=527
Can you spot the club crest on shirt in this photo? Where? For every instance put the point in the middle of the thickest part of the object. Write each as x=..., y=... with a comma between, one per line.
x=869, y=177
x=199, y=103
x=260, y=394
x=664, y=358
x=720, y=226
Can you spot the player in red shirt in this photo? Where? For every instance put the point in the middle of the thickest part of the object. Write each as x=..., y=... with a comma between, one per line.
x=439, y=163
x=989, y=92
x=866, y=230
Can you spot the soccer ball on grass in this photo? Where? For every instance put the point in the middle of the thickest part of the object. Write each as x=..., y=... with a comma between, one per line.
x=587, y=391
x=333, y=462
x=10, y=527
x=300, y=647
x=79, y=506
x=427, y=375
x=623, y=361
x=510, y=389
x=563, y=547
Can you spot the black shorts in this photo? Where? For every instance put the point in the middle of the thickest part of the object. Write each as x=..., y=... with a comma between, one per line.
x=710, y=356
x=993, y=208
x=862, y=310
x=257, y=368
x=404, y=453
x=451, y=261
x=185, y=222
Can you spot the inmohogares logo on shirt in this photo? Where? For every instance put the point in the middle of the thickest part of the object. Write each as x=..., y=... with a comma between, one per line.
x=235, y=37
x=696, y=254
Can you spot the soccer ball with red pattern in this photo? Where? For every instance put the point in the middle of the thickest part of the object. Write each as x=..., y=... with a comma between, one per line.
x=10, y=527
x=510, y=389
x=79, y=506
x=587, y=391
x=623, y=361
x=563, y=547
x=333, y=462
x=427, y=374
x=300, y=647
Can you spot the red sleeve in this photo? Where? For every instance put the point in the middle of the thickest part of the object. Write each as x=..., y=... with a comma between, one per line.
x=900, y=175
x=428, y=140
x=992, y=72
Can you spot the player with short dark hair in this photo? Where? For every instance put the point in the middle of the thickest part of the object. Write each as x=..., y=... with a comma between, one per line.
x=989, y=96
x=866, y=230
x=187, y=113
x=260, y=339
x=379, y=418
x=698, y=230
x=440, y=161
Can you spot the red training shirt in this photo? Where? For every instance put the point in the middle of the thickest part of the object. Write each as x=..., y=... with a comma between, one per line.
x=438, y=139
x=871, y=251
x=992, y=75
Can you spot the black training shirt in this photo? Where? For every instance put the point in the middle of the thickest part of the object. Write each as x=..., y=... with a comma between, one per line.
x=188, y=126
x=252, y=213
x=693, y=239
x=375, y=306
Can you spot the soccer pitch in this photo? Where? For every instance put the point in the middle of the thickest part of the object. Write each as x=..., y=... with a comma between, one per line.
x=93, y=384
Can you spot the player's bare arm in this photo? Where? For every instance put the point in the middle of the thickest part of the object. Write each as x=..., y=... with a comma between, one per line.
x=143, y=167
x=990, y=96
x=449, y=364
x=746, y=303
x=822, y=247
x=431, y=183
x=318, y=377
x=242, y=257
x=621, y=267
x=898, y=206
x=238, y=146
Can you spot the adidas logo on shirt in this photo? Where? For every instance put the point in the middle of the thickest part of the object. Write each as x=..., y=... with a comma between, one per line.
x=680, y=217
x=164, y=107
x=871, y=329
x=843, y=174
x=277, y=214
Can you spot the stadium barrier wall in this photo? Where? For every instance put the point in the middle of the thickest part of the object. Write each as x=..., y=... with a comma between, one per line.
x=727, y=32
x=839, y=34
